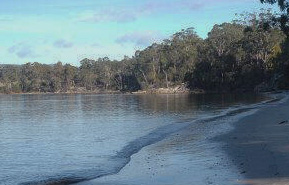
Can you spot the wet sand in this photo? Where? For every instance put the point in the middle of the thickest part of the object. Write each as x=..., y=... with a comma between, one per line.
x=251, y=150
x=259, y=145
x=188, y=157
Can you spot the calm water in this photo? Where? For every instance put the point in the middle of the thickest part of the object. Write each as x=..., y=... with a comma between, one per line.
x=71, y=138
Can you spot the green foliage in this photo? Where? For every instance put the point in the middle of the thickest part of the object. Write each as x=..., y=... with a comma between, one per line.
x=235, y=56
x=283, y=18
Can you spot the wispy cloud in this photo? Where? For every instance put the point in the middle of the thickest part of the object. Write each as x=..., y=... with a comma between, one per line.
x=109, y=15
x=22, y=50
x=127, y=13
x=41, y=30
x=61, y=43
x=96, y=45
x=176, y=6
x=140, y=38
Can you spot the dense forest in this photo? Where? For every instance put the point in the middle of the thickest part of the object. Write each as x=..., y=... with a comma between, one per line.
x=248, y=54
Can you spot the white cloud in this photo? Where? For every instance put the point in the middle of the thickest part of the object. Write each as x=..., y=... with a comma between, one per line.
x=23, y=50
x=140, y=38
x=109, y=15
x=128, y=13
x=61, y=43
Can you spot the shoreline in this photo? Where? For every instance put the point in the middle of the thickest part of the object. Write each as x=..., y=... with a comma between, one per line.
x=191, y=151
x=194, y=151
x=170, y=90
x=149, y=92
x=108, y=92
x=258, y=145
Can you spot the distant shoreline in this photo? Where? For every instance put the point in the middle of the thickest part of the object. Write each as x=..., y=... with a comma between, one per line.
x=172, y=90
x=150, y=91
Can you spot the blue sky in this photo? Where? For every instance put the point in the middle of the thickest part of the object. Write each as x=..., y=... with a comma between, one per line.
x=70, y=30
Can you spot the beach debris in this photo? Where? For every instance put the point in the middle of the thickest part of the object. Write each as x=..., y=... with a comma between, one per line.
x=283, y=122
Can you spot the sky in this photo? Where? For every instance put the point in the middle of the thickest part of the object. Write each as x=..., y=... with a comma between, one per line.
x=71, y=30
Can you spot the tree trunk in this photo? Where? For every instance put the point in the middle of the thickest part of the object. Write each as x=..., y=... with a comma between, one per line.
x=154, y=71
x=145, y=78
x=166, y=74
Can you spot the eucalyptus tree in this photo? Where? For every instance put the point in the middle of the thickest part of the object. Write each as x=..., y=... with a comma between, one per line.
x=225, y=52
x=225, y=38
x=146, y=64
x=216, y=65
x=262, y=44
x=183, y=52
x=69, y=75
x=86, y=73
x=283, y=19
x=128, y=75
x=9, y=78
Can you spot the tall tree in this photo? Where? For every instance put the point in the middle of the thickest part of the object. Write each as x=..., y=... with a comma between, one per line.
x=283, y=19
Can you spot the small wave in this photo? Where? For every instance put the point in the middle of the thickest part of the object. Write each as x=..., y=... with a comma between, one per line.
x=115, y=163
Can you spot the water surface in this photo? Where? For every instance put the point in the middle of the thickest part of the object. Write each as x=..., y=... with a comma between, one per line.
x=72, y=138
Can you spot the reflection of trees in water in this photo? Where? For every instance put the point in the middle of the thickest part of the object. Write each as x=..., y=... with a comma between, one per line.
x=186, y=142
x=166, y=103
x=188, y=103
x=114, y=105
x=121, y=105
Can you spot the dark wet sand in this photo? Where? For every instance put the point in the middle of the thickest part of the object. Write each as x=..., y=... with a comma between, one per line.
x=259, y=145
x=256, y=151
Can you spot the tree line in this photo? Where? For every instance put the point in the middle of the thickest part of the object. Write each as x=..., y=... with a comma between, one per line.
x=247, y=54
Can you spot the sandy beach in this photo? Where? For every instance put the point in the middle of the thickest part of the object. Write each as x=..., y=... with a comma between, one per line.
x=254, y=150
x=259, y=145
